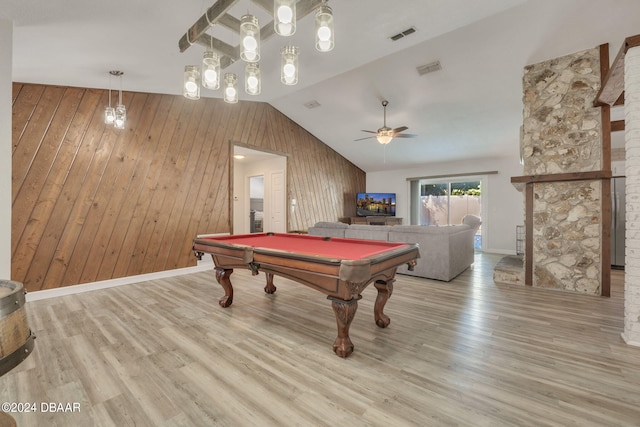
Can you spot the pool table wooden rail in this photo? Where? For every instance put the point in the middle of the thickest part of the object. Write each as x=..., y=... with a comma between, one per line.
x=343, y=279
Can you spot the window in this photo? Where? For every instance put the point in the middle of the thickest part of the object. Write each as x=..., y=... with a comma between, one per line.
x=446, y=201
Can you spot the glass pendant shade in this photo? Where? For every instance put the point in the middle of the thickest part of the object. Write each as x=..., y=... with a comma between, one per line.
x=384, y=138
x=284, y=17
x=191, y=87
x=211, y=70
x=324, y=29
x=249, y=39
x=109, y=114
x=120, y=117
x=230, y=88
x=289, y=67
x=252, y=79
x=115, y=116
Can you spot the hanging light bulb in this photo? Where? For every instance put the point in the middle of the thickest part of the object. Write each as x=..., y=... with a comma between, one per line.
x=109, y=112
x=250, y=39
x=284, y=14
x=211, y=70
x=191, y=88
x=230, y=88
x=324, y=28
x=289, y=68
x=252, y=81
x=120, y=116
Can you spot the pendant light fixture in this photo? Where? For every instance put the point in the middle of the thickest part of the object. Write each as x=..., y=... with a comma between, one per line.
x=250, y=39
x=109, y=112
x=324, y=28
x=284, y=17
x=211, y=70
x=252, y=83
x=230, y=88
x=289, y=65
x=220, y=54
x=115, y=116
x=190, y=87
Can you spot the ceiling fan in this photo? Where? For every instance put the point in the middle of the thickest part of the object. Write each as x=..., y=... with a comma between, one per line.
x=385, y=134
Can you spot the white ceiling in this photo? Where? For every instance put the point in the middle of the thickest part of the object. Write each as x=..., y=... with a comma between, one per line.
x=470, y=109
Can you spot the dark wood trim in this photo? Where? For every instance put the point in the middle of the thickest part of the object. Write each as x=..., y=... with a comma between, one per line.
x=528, y=222
x=605, y=278
x=605, y=110
x=559, y=177
x=613, y=83
x=617, y=125
x=605, y=207
x=455, y=175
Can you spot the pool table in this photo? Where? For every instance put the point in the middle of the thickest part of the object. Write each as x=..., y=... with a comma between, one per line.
x=339, y=268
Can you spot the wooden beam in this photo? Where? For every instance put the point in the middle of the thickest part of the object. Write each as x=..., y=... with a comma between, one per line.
x=211, y=16
x=617, y=125
x=217, y=14
x=605, y=110
x=559, y=177
x=528, y=235
x=229, y=53
x=231, y=23
x=613, y=85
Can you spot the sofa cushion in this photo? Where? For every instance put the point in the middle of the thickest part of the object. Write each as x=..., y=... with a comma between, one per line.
x=430, y=229
x=472, y=221
x=326, y=224
x=328, y=229
x=368, y=232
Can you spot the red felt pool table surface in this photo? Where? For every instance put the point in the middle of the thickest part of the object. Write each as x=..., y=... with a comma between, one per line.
x=311, y=245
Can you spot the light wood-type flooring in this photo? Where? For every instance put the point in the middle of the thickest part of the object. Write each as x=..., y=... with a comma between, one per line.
x=464, y=353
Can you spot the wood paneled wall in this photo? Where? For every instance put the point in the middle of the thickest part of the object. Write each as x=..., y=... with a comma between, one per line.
x=91, y=202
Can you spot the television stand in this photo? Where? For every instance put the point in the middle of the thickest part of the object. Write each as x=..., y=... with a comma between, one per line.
x=374, y=220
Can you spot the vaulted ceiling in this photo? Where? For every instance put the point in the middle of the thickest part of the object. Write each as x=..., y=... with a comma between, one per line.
x=469, y=109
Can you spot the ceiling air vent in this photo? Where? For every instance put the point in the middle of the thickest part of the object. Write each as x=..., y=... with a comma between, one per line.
x=429, y=68
x=403, y=34
x=312, y=104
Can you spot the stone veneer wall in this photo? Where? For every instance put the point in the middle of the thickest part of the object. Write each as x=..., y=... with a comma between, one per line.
x=562, y=134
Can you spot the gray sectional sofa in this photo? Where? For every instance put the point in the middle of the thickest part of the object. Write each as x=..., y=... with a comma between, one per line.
x=445, y=251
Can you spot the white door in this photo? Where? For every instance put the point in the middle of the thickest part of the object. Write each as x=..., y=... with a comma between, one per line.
x=278, y=204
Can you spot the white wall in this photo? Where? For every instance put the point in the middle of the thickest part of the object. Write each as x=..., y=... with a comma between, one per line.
x=503, y=202
x=6, y=53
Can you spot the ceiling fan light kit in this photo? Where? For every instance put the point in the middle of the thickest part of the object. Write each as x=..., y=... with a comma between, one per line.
x=219, y=54
x=385, y=134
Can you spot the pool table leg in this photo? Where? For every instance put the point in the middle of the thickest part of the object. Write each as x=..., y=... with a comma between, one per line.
x=344, y=310
x=385, y=289
x=222, y=276
x=270, y=288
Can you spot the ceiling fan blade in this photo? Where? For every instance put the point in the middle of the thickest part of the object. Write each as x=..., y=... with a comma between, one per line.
x=404, y=135
x=370, y=131
x=366, y=137
x=400, y=129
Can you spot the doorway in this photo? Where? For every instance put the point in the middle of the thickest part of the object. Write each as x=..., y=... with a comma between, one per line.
x=259, y=202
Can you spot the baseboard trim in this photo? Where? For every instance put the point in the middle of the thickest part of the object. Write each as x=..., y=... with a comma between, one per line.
x=629, y=342
x=111, y=283
x=498, y=251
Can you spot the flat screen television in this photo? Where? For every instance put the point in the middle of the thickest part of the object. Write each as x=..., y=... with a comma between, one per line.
x=376, y=204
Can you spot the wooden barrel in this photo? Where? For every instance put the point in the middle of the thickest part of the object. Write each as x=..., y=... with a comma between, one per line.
x=16, y=339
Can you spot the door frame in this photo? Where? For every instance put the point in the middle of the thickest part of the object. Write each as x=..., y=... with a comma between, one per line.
x=232, y=147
